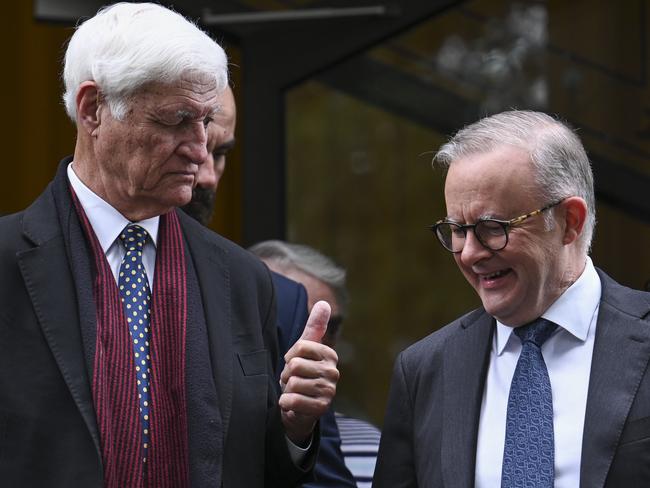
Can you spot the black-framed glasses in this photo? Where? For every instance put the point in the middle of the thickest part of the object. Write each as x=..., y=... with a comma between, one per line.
x=491, y=233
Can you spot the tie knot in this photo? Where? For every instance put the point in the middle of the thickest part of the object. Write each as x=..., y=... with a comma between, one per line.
x=133, y=237
x=536, y=331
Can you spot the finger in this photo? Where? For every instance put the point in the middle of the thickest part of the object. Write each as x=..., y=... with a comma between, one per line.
x=313, y=388
x=302, y=405
x=310, y=350
x=317, y=322
x=305, y=368
x=300, y=367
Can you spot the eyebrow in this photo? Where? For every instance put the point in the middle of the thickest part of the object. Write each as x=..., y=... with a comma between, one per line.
x=193, y=114
x=185, y=114
x=481, y=217
x=490, y=216
x=451, y=219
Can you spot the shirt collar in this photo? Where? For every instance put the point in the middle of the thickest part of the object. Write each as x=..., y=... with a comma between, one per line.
x=105, y=220
x=573, y=311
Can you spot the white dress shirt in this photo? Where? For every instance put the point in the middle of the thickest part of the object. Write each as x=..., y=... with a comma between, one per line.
x=108, y=223
x=567, y=354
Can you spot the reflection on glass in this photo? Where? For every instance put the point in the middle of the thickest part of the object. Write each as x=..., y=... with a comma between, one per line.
x=360, y=138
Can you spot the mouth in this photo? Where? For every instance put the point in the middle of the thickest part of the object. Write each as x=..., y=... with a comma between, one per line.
x=491, y=280
x=186, y=174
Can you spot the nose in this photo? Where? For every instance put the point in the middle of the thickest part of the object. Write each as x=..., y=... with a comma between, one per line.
x=473, y=251
x=194, y=147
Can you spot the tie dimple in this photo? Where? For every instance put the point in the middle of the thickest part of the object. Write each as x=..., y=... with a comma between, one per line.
x=528, y=455
x=136, y=299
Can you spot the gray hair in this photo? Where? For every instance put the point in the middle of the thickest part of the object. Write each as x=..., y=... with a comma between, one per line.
x=556, y=153
x=308, y=260
x=127, y=45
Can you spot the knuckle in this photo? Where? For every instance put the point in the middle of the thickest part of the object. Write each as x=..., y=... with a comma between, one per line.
x=293, y=384
x=329, y=390
x=322, y=404
x=284, y=401
x=335, y=374
x=292, y=365
x=334, y=356
x=331, y=374
x=301, y=346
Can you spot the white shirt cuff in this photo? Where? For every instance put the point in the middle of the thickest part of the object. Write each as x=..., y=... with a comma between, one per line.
x=297, y=453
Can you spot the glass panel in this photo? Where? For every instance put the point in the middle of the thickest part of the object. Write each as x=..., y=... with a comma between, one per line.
x=360, y=139
x=361, y=189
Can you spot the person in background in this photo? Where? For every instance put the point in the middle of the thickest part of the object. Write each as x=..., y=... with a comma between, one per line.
x=137, y=348
x=330, y=470
x=547, y=383
x=220, y=141
x=325, y=280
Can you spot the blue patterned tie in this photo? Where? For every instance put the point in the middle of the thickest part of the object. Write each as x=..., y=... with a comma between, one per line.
x=136, y=298
x=528, y=455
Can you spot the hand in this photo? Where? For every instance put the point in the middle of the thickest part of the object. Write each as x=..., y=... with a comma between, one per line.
x=309, y=378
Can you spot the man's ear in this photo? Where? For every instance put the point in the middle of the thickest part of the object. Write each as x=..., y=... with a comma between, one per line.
x=88, y=107
x=575, y=216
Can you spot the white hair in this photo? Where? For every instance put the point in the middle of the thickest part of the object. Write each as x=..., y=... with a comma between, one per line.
x=127, y=45
x=559, y=160
x=303, y=258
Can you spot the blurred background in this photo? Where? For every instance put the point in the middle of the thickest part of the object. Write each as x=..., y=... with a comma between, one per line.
x=341, y=107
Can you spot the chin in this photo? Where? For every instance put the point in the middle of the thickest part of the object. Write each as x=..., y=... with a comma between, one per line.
x=494, y=310
x=497, y=306
x=179, y=197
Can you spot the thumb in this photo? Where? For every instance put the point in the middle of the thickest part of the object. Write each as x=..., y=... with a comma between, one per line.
x=317, y=322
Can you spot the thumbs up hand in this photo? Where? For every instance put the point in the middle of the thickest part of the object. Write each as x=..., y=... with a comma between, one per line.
x=309, y=377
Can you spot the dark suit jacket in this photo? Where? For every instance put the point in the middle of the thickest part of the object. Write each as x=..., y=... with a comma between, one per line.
x=431, y=425
x=48, y=428
x=330, y=470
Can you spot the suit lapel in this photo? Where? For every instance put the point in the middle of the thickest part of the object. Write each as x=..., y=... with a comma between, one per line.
x=46, y=271
x=213, y=275
x=466, y=358
x=620, y=358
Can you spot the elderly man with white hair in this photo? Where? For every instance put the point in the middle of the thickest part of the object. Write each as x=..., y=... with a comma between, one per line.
x=137, y=348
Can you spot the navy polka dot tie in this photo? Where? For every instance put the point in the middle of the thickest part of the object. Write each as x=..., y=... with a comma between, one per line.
x=136, y=298
x=528, y=455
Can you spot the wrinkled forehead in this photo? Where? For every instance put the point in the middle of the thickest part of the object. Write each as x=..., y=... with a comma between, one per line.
x=197, y=95
x=199, y=81
x=193, y=83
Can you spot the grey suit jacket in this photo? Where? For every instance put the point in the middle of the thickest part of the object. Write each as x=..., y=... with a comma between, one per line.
x=48, y=428
x=431, y=424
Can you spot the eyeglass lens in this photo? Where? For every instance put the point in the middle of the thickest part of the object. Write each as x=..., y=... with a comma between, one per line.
x=490, y=233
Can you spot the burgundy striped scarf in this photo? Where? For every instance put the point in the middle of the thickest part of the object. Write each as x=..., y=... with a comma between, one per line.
x=114, y=381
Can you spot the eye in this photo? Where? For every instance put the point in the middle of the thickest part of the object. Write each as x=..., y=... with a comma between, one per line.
x=491, y=228
x=457, y=232
x=169, y=121
x=207, y=121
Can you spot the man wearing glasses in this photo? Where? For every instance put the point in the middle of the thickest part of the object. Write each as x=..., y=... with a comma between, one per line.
x=545, y=385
